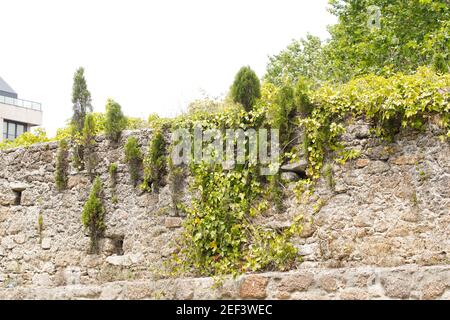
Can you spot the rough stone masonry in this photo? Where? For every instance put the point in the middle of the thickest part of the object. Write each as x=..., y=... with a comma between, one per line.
x=380, y=232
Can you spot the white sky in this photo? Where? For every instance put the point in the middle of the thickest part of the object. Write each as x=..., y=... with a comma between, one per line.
x=150, y=56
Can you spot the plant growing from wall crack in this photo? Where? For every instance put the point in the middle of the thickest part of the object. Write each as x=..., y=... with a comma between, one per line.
x=155, y=163
x=62, y=165
x=94, y=214
x=133, y=156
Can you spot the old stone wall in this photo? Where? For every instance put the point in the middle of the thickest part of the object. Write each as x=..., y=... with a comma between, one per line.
x=378, y=227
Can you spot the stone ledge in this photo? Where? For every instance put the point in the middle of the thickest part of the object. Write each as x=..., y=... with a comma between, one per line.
x=406, y=282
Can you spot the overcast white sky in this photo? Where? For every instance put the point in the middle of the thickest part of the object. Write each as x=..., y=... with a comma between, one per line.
x=150, y=56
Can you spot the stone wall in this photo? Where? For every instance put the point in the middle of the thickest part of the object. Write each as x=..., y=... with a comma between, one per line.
x=380, y=230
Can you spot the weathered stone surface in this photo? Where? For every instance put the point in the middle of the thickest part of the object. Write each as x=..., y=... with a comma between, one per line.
x=18, y=187
x=406, y=160
x=111, y=292
x=262, y=286
x=253, y=287
x=388, y=209
x=290, y=176
x=354, y=294
x=362, y=163
x=42, y=280
x=46, y=243
x=397, y=287
x=328, y=283
x=298, y=167
x=433, y=290
x=173, y=222
x=299, y=282
x=122, y=261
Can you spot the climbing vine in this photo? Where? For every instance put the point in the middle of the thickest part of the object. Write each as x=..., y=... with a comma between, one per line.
x=219, y=234
x=389, y=104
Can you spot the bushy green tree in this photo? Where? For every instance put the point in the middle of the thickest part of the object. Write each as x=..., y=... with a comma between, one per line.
x=115, y=122
x=246, y=88
x=371, y=36
x=81, y=104
x=93, y=216
x=302, y=58
x=406, y=34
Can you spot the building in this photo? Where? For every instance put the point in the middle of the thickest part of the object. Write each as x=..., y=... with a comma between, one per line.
x=16, y=115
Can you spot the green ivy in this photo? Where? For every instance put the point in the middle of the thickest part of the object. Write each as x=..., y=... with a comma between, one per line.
x=389, y=104
x=219, y=237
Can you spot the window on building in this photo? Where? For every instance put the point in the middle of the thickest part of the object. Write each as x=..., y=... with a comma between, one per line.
x=11, y=129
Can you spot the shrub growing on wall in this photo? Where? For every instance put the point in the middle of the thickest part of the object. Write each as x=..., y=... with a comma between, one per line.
x=62, y=165
x=89, y=132
x=133, y=156
x=246, y=88
x=155, y=163
x=115, y=120
x=93, y=215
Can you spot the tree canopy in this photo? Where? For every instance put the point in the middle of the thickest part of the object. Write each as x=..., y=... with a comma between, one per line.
x=371, y=36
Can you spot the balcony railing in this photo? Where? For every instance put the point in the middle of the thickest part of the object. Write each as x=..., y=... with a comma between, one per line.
x=21, y=103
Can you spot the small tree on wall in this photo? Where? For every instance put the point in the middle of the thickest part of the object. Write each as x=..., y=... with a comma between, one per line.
x=89, y=131
x=93, y=215
x=246, y=88
x=115, y=122
x=81, y=105
x=155, y=163
x=81, y=99
x=133, y=156
x=62, y=165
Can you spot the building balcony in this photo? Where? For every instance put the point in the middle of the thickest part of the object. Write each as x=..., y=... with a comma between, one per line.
x=21, y=103
x=18, y=116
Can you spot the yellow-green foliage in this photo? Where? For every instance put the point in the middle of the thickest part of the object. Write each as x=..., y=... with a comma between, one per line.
x=113, y=173
x=25, y=140
x=400, y=101
x=94, y=214
x=40, y=226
